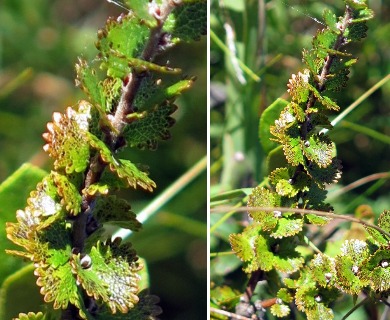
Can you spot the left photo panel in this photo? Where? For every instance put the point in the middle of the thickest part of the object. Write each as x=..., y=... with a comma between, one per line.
x=103, y=169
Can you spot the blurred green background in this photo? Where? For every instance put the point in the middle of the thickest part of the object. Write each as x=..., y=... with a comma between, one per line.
x=39, y=44
x=268, y=38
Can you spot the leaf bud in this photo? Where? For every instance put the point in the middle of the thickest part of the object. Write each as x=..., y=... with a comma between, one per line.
x=384, y=263
x=277, y=214
x=86, y=262
x=328, y=277
x=355, y=269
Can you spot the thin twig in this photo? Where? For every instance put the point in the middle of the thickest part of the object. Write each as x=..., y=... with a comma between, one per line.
x=251, y=286
x=218, y=254
x=358, y=183
x=303, y=212
x=226, y=216
x=229, y=314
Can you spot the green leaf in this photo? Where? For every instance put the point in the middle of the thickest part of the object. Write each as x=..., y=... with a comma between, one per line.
x=115, y=211
x=104, y=94
x=312, y=61
x=322, y=269
x=243, y=243
x=384, y=220
x=261, y=197
x=287, y=227
x=114, y=38
x=349, y=264
x=323, y=41
x=287, y=133
x=89, y=82
x=304, y=298
x=327, y=102
x=246, y=246
x=58, y=285
x=339, y=71
x=97, y=188
x=314, y=301
x=146, y=308
x=152, y=127
x=43, y=210
x=260, y=247
x=376, y=236
x=376, y=270
x=141, y=9
x=142, y=66
x=69, y=193
x=321, y=176
x=112, y=89
x=109, y=274
x=31, y=316
x=280, y=226
x=298, y=86
x=267, y=119
x=66, y=138
x=260, y=251
x=20, y=286
x=362, y=13
x=290, y=283
x=57, y=240
x=357, y=4
x=320, y=312
x=299, y=110
x=292, y=148
x=281, y=178
x=357, y=31
x=13, y=193
x=187, y=22
x=321, y=120
x=286, y=120
x=319, y=221
x=280, y=310
x=154, y=92
x=284, y=295
x=124, y=169
x=314, y=199
x=319, y=149
x=224, y=296
x=286, y=258
x=331, y=21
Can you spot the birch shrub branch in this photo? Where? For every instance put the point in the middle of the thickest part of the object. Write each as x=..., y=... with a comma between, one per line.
x=302, y=163
x=130, y=102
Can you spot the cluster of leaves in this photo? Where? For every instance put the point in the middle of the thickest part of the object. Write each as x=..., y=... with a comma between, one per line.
x=131, y=100
x=271, y=242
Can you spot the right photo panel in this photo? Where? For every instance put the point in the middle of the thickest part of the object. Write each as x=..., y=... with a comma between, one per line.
x=299, y=160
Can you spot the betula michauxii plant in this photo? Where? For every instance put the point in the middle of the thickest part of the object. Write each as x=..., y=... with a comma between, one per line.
x=83, y=273
x=287, y=206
